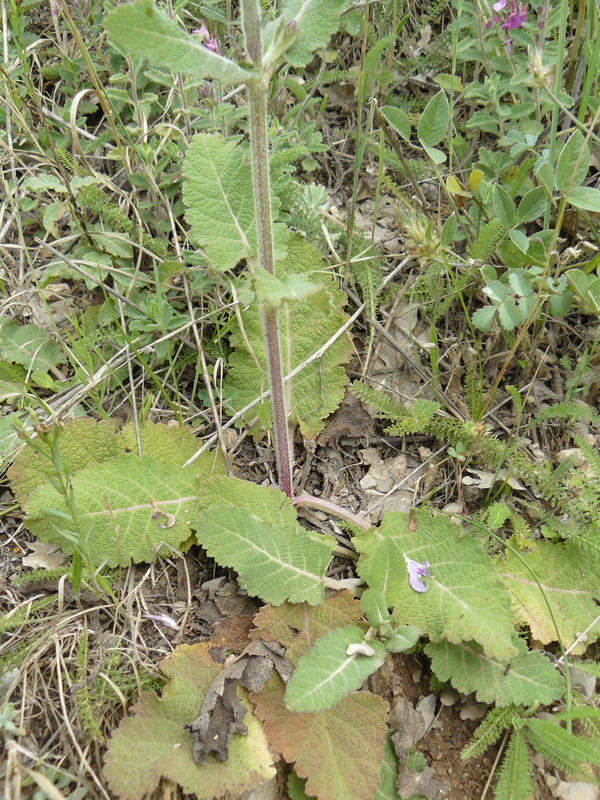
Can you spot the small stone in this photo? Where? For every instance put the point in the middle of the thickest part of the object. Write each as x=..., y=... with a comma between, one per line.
x=368, y=482
x=576, y=790
x=229, y=438
x=449, y=697
x=371, y=455
x=584, y=683
x=571, y=452
x=537, y=759
x=426, y=708
x=473, y=711
x=416, y=675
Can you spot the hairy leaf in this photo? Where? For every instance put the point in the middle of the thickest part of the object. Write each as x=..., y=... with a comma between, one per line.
x=254, y=529
x=154, y=742
x=28, y=346
x=573, y=163
x=123, y=505
x=338, y=751
x=389, y=772
x=143, y=29
x=317, y=21
x=331, y=669
x=85, y=441
x=514, y=780
x=489, y=731
x=298, y=626
x=268, y=503
x=570, y=582
x=273, y=562
x=8, y=437
x=464, y=600
x=526, y=679
x=562, y=749
x=218, y=195
x=81, y=442
x=304, y=326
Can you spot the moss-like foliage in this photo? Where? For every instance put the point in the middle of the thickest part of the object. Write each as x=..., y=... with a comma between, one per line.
x=305, y=326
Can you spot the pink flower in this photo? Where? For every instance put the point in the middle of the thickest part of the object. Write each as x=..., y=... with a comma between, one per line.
x=211, y=43
x=514, y=17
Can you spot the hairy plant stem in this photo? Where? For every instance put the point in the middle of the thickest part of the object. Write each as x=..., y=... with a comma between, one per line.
x=269, y=315
x=331, y=508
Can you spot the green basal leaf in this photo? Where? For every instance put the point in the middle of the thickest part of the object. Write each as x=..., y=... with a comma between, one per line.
x=28, y=346
x=132, y=509
x=464, y=599
x=403, y=638
x=389, y=772
x=85, y=441
x=339, y=751
x=258, y=535
x=220, y=205
x=523, y=680
x=434, y=121
x=153, y=743
x=339, y=663
x=374, y=607
x=305, y=326
x=143, y=29
x=295, y=787
x=272, y=291
x=570, y=583
x=573, y=163
x=297, y=626
x=316, y=21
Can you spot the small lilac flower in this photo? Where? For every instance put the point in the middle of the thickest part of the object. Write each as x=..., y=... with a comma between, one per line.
x=210, y=42
x=514, y=17
x=416, y=571
x=163, y=618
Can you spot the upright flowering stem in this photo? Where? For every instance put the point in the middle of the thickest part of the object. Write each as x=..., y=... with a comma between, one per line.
x=269, y=316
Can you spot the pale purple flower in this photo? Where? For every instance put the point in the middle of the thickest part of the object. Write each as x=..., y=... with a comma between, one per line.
x=416, y=571
x=514, y=17
x=163, y=618
x=210, y=42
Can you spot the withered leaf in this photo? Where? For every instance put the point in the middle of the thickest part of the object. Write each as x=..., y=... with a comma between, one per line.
x=222, y=713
